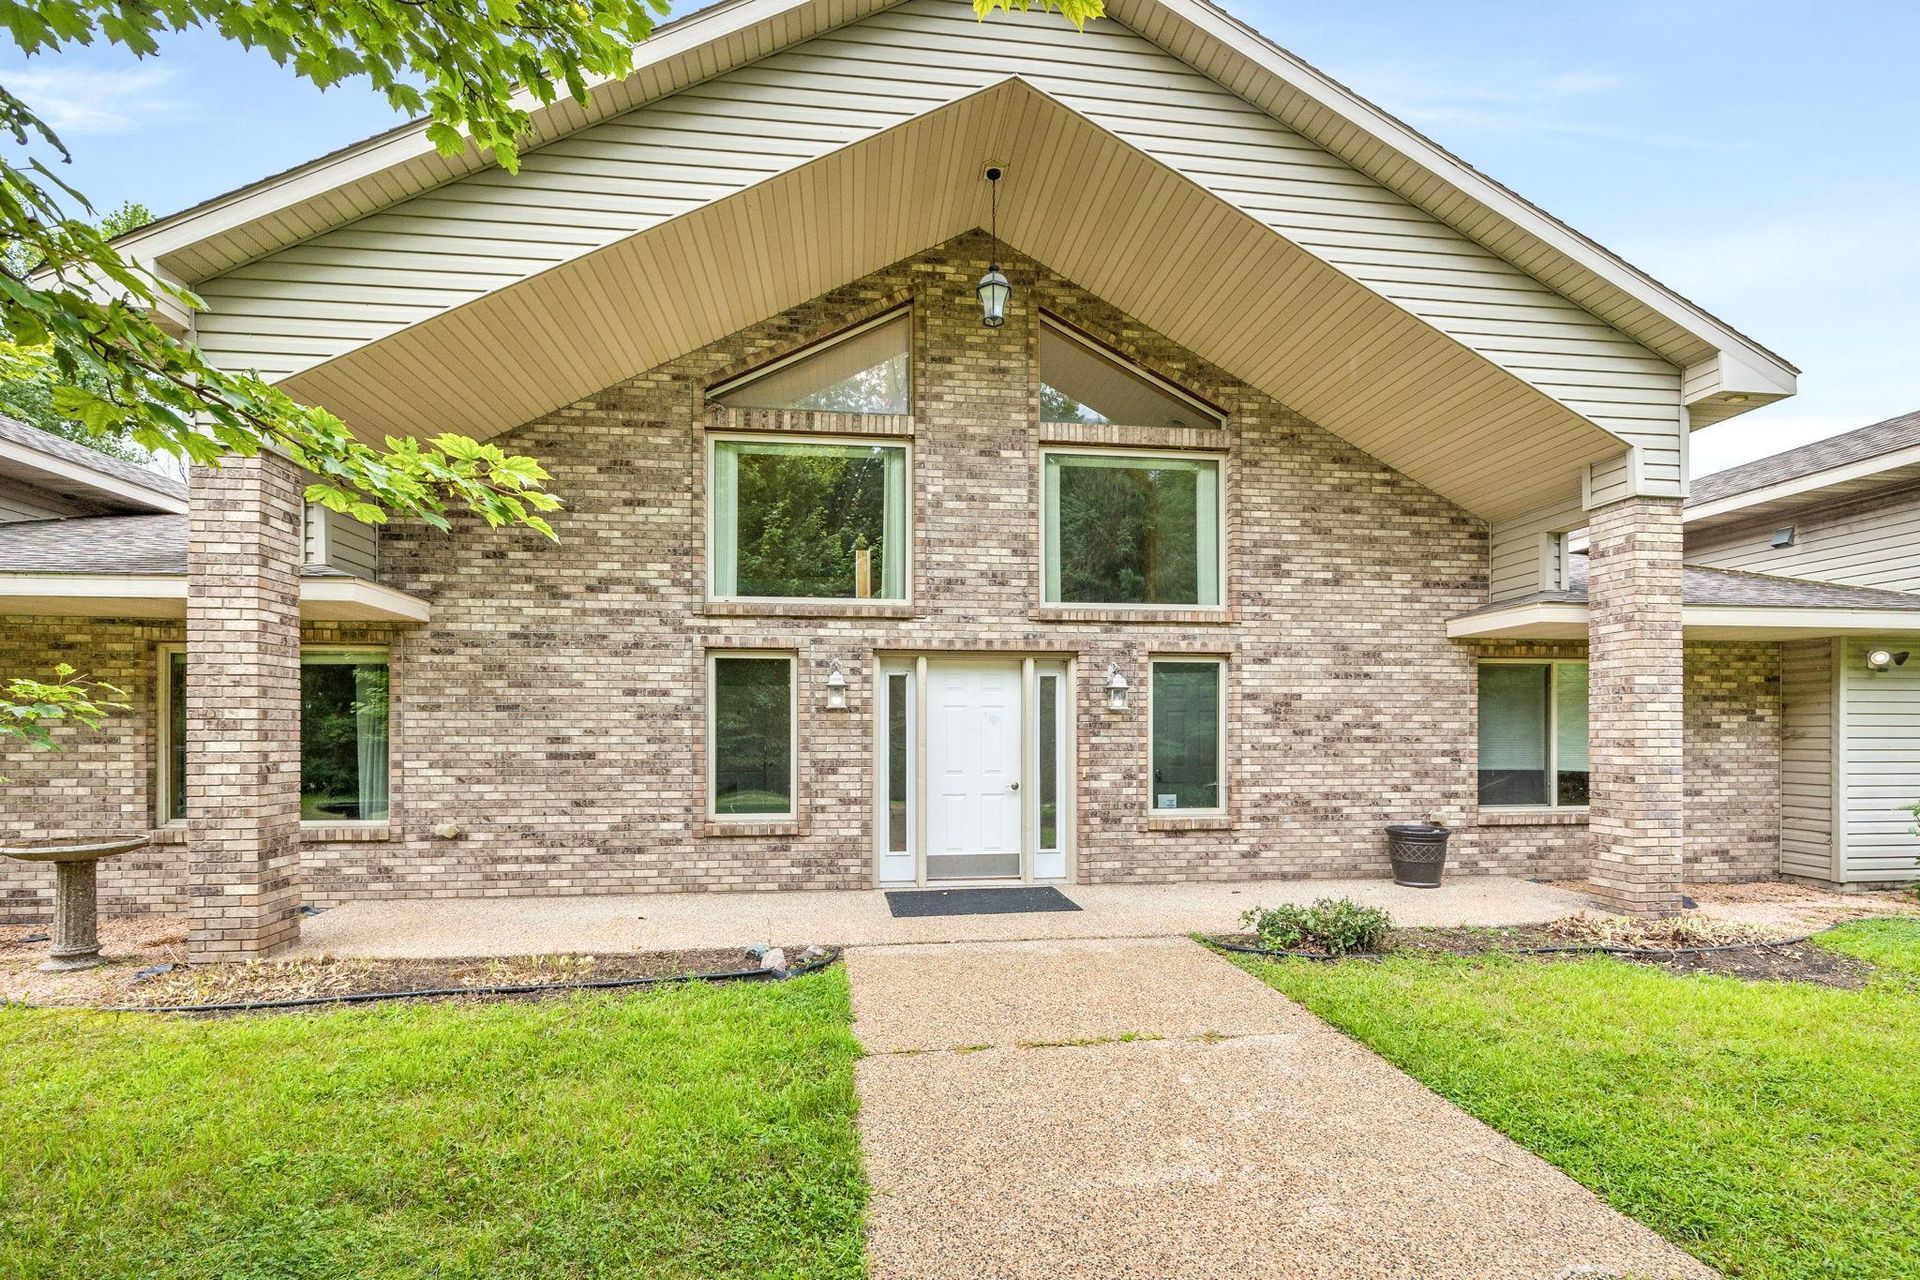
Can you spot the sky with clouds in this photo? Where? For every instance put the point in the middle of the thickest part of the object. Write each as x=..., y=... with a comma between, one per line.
x=1759, y=156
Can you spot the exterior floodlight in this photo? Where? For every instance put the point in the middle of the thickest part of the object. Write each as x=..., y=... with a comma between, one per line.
x=1885, y=660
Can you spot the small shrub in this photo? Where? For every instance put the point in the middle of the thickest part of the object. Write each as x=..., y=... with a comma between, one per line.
x=1336, y=926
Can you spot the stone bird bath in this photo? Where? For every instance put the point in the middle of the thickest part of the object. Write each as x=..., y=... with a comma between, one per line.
x=76, y=901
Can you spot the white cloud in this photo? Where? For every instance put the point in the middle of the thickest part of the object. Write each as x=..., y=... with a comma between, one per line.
x=79, y=100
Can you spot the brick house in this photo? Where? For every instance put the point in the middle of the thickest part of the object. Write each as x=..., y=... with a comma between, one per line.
x=1226, y=546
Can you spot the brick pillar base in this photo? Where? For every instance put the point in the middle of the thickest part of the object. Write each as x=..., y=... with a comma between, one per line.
x=1636, y=718
x=243, y=708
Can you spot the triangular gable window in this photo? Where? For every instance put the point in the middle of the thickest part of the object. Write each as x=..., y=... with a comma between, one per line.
x=1080, y=382
x=863, y=370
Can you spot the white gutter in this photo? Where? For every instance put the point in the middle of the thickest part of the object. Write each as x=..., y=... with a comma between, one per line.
x=1567, y=620
x=1861, y=470
x=99, y=481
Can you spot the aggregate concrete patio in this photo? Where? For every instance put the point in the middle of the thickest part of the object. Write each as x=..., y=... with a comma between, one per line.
x=1139, y=1107
x=424, y=928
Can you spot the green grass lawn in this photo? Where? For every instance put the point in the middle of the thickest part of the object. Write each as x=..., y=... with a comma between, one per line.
x=1773, y=1129
x=690, y=1131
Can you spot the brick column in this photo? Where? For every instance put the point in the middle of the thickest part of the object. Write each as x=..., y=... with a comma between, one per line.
x=243, y=708
x=1636, y=718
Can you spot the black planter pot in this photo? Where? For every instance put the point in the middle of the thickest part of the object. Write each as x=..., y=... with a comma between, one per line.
x=1419, y=853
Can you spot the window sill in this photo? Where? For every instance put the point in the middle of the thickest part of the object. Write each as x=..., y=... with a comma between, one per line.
x=782, y=827
x=1190, y=822
x=809, y=609
x=344, y=832
x=1542, y=817
x=1124, y=613
x=172, y=833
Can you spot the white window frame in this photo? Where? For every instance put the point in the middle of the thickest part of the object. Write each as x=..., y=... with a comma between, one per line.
x=1061, y=672
x=337, y=654
x=904, y=443
x=1219, y=461
x=751, y=376
x=792, y=659
x=1065, y=329
x=1553, y=734
x=1220, y=729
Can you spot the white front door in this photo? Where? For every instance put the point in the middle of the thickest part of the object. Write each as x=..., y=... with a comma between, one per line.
x=973, y=770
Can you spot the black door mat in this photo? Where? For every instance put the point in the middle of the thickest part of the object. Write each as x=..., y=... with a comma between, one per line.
x=976, y=902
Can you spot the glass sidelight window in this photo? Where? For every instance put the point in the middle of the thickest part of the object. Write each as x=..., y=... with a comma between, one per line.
x=806, y=519
x=1132, y=529
x=1533, y=733
x=1187, y=739
x=750, y=743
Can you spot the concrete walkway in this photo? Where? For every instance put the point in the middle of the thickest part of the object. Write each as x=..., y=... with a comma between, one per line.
x=1141, y=1108
x=423, y=928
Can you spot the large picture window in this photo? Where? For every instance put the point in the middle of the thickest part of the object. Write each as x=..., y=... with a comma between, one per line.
x=344, y=752
x=1533, y=733
x=1132, y=529
x=1186, y=742
x=800, y=519
x=750, y=747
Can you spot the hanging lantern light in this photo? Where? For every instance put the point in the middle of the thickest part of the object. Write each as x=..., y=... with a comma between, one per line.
x=994, y=289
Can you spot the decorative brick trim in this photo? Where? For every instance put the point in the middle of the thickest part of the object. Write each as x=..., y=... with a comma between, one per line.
x=830, y=608
x=1195, y=822
x=811, y=422
x=371, y=833
x=1122, y=613
x=1530, y=818
x=1096, y=435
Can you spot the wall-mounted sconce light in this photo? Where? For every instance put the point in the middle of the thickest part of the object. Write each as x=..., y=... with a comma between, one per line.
x=836, y=688
x=1116, y=689
x=994, y=288
x=1886, y=659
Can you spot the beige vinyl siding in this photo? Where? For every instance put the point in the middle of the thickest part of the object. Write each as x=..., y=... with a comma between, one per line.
x=1807, y=759
x=341, y=542
x=1525, y=553
x=1863, y=542
x=1879, y=763
x=306, y=304
x=20, y=501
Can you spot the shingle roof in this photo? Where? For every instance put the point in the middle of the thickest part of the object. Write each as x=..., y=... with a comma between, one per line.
x=95, y=544
x=17, y=432
x=1735, y=588
x=1821, y=455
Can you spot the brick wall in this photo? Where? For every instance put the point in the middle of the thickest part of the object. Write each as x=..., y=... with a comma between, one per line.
x=553, y=709
x=1734, y=734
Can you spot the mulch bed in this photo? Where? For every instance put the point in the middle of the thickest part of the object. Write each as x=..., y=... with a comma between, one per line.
x=1755, y=962
x=156, y=981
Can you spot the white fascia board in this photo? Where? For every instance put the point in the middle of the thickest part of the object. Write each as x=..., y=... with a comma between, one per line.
x=71, y=472
x=1860, y=470
x=357, y=600
x=94, y=595
x=1554, y=620
x=131, y=595
x=1429, y=155
x=1568, y=621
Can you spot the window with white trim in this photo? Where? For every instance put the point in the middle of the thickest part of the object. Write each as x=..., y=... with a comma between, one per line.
x=1186, y=744
x=1533, y=734
x=751, y=743
x=344, y=744
x=809, y=518
x=1132, y=528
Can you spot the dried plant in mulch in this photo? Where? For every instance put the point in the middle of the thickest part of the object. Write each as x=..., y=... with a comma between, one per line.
x=1694, y=929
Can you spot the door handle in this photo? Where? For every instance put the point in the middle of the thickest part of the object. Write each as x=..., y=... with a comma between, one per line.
x=1013, y=786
